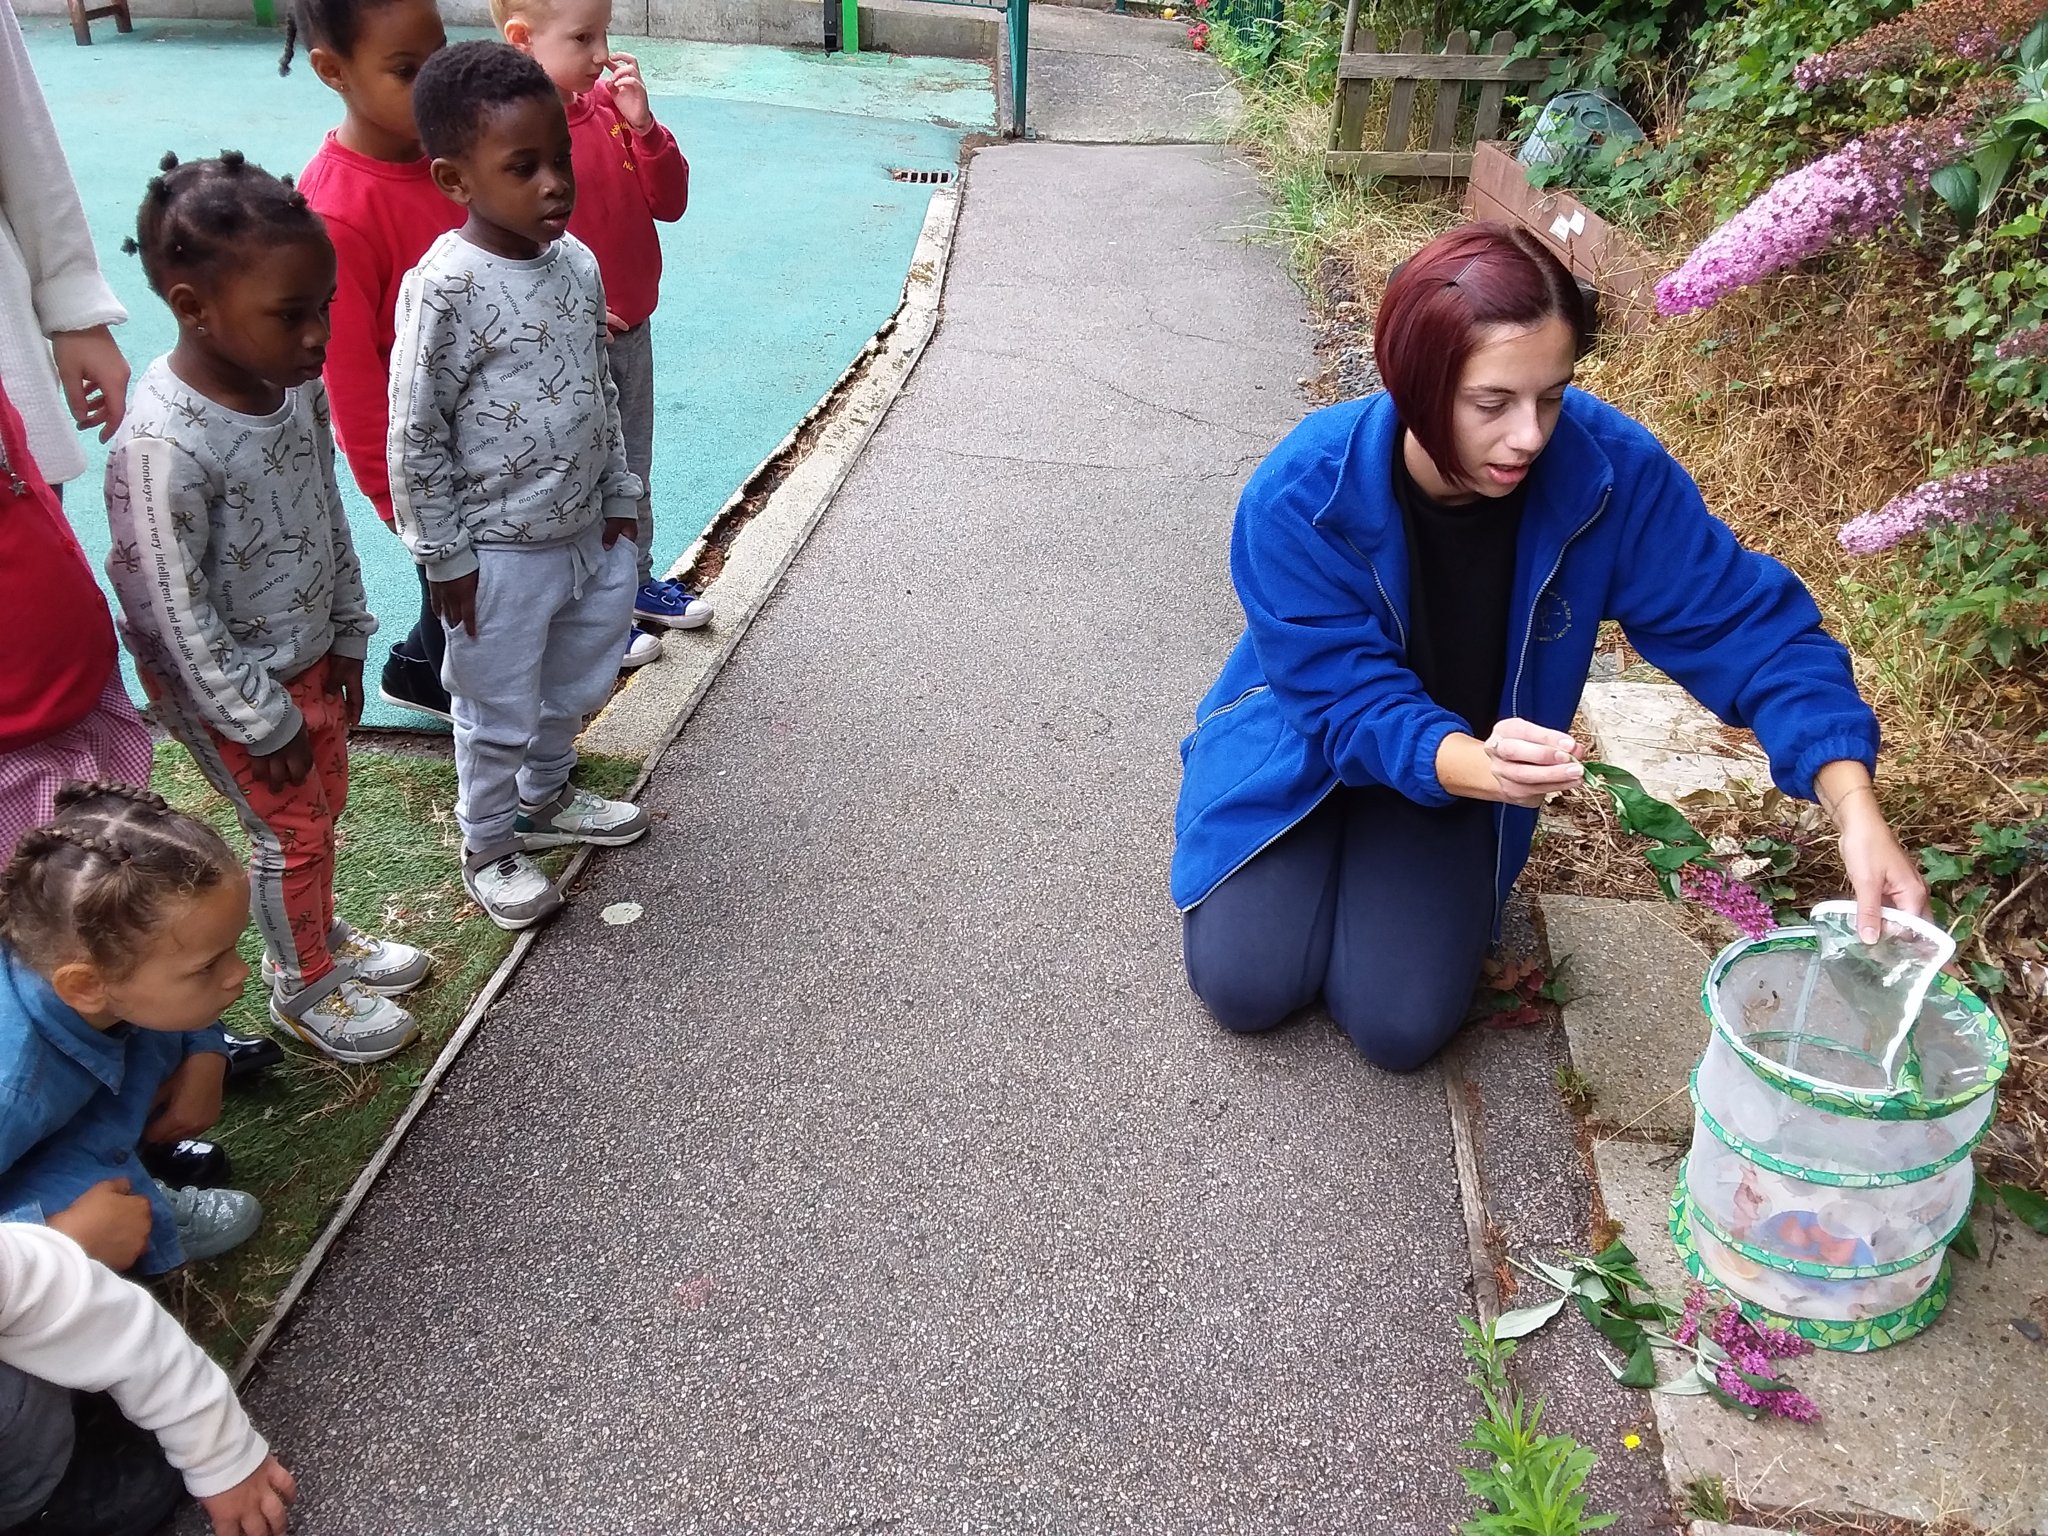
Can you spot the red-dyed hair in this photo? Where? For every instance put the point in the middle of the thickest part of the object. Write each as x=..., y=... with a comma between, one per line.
x=1439, y=300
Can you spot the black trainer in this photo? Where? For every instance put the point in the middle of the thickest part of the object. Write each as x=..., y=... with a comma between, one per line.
x=250, y=1054
x=410, y=683
x=201, y=1164
x=118, y=1483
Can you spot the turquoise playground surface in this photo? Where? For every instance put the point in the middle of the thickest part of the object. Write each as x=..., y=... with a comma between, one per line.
x=793, y=252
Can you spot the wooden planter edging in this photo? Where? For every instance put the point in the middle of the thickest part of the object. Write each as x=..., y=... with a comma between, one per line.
x=1361, y=68
x=1586, y=243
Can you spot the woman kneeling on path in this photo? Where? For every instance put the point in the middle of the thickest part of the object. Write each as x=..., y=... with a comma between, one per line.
x=1423, y=573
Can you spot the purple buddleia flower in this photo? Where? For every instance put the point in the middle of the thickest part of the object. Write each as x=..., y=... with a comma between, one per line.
x=1976, y=30
x=1751, y=1348
x=1733, y=1331
x=1696, y=1301
x=2014, y=489
x=1848, y=195
x=2031, y=342
x=1731, y=898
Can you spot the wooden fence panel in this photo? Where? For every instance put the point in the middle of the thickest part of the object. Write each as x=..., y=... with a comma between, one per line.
x=1353, y=102
x=1401, y=103
x=1446, y=152
x=1487, y=124
x=1450, y=96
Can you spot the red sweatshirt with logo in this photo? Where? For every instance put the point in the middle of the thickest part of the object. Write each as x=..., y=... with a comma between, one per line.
x=60, y=636
x=624, y=182
x=381, y=215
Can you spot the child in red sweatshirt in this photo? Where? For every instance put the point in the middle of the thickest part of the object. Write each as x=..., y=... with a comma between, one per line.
x=629, y=173
x=373, y=186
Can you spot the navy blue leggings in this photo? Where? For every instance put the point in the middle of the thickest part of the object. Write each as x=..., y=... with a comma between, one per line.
x=1380, y=907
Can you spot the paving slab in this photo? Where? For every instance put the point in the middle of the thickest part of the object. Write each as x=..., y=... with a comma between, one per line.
x=883, y=1175
x=1662, y=736
x=1098, y=78
x=1953, y=1423
x=1634, y=1019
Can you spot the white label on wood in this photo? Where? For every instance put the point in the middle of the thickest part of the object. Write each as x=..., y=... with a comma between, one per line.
x=1561, y=229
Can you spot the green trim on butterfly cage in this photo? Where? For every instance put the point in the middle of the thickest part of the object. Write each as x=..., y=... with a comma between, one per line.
x=1965, y=1010
x=1813, y=1269
x=1749, y=1152
x=1847, y=1337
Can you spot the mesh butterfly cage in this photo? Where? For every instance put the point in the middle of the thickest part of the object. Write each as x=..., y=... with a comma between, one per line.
x=1834, y=1113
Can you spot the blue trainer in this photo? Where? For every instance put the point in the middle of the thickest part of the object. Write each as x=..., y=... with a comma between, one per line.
x=671, y=605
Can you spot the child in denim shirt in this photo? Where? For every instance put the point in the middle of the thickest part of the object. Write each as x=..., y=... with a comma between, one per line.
x=118, y=926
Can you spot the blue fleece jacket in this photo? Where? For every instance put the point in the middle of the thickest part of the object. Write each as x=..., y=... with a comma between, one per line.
x=1318, y=691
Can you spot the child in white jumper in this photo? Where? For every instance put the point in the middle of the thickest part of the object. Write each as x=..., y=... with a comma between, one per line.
x=508, y=472
x=69, y=1324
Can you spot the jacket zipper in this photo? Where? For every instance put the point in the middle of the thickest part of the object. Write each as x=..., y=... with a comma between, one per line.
x=1515, y=692
x=1400, y=629
x=1269, y=842
x=1224, y=709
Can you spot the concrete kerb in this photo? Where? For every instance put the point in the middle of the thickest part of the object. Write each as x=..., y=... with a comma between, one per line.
x=645, y=716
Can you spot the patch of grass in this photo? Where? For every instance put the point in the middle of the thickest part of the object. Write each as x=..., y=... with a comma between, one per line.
x=300, y=1133
x=1574, y=1088
x=1286, y=129
x=1706, y=1498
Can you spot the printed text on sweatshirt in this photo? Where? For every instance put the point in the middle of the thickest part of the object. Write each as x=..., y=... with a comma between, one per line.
x=504, y=417
x=231, y=553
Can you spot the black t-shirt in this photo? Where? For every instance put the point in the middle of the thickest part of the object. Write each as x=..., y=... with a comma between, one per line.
x=1461, y=580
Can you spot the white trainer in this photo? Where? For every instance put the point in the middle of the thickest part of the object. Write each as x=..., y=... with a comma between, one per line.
x=514, y=891
x=340, y=1017
x=383, y=965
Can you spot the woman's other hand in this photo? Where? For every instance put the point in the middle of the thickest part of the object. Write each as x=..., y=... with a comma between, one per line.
x=1881, y=872
x=1520, y=763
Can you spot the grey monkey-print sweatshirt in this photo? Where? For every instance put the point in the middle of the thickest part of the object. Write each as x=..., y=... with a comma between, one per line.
x=504, y=417
x=232, y=557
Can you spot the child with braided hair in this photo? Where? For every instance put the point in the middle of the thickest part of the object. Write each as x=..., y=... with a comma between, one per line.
x=241, y=596
x=118, y=923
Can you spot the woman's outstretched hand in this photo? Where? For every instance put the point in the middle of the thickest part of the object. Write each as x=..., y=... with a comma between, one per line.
x=1521, y=763
x=1881, y=872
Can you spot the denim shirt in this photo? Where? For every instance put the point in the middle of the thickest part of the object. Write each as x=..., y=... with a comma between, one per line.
x=73, y=1102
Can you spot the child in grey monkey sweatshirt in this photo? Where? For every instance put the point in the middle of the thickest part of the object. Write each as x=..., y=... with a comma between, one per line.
x=508, y=473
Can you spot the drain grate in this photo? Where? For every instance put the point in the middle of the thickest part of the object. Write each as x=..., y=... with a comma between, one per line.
x=921, y=178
